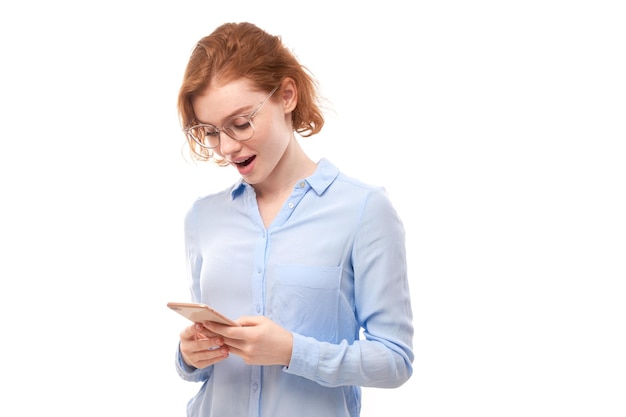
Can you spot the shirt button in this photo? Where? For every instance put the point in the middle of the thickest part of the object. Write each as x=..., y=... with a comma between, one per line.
x=302, y=184
x=255, y=386
x=290, y=205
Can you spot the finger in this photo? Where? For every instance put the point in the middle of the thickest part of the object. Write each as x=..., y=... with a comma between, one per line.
x=200, y=328
x=233, y=332
x=211, y=343
x=200, y=345
x=189, y=332
x=210, y=357
x=248, y=321
x=206, y=358
x=235, y=350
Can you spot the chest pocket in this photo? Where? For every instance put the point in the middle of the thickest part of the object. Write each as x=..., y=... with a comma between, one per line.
x=305, y=299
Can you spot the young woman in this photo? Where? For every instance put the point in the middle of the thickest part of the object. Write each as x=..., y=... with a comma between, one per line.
x=310, y=262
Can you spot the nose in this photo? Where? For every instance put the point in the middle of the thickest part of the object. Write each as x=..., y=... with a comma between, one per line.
x=228, y=145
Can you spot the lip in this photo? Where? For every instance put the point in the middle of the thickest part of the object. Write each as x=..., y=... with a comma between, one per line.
x=247, y=168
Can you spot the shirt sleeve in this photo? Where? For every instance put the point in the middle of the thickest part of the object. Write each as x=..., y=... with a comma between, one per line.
x=383, y=357
x=194, y=266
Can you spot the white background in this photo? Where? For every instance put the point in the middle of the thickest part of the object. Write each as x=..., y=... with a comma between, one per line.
x=497, y=127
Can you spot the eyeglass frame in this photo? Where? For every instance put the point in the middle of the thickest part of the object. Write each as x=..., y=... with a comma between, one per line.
x=249, y=117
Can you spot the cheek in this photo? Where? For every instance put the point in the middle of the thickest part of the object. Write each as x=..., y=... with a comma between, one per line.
x=277, y=139
x=273, y=133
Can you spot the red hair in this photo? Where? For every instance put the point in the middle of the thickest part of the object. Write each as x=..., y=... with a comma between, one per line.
x=242, y=50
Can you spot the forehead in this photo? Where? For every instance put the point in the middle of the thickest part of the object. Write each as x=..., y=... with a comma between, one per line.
x=221, y=100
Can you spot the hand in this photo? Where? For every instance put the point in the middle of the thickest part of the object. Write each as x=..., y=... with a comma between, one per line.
x=259, y=341
x=200, y=347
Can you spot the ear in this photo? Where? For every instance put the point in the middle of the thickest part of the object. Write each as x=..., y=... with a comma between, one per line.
x=288, y=93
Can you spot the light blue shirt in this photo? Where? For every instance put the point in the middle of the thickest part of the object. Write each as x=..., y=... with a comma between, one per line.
x=331, y=268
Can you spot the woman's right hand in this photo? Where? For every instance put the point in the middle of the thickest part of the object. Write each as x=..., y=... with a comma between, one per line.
x=200, y=347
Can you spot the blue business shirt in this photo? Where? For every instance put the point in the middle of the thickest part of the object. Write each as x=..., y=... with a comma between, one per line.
x=331, y=268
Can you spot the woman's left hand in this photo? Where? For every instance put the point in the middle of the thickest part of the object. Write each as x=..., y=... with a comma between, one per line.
x=259, y=340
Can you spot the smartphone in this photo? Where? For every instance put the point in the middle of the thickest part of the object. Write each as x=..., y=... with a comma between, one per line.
x=199, y=313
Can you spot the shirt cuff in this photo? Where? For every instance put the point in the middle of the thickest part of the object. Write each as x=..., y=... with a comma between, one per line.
x=305, y=356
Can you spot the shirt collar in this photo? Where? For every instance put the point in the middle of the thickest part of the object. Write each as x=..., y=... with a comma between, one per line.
x=321, y=179
x=323, y=176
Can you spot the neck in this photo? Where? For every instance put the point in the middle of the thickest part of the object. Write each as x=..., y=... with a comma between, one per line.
x=294, y=166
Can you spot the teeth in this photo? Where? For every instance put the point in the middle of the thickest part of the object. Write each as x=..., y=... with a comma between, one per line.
x=242, y=162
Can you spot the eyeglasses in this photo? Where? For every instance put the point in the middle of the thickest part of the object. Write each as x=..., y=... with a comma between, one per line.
x=238, y=127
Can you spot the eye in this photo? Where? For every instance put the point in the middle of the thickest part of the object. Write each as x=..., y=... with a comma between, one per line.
x=239, y=123
x=211, y=132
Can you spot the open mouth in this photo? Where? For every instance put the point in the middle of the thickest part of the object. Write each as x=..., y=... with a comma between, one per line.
x=246, y=162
